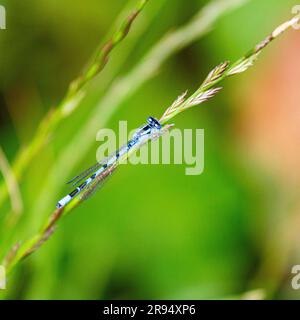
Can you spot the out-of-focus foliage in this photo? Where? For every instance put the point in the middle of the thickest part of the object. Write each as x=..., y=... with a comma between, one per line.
x=154, y=232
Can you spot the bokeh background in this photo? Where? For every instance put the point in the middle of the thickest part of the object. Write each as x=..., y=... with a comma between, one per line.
x=153, y=232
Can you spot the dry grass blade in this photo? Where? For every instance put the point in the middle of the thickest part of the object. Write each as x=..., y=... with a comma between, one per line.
x=176, y=104
x=243, y=65
x=201, y=97
x=215, y=74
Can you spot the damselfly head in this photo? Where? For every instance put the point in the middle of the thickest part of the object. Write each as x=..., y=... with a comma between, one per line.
x=153, y=123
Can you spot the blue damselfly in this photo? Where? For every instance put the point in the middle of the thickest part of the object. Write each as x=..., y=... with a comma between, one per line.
x=98, y=173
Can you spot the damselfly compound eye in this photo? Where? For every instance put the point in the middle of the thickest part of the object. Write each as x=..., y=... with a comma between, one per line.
x=154, y=123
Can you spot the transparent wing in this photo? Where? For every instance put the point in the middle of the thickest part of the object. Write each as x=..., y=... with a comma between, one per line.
x=80, y=177
x=98, y=182
x=77, y=179
x=84, y=174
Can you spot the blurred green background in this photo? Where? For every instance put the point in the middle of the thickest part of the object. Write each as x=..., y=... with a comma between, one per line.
x=154, y=232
